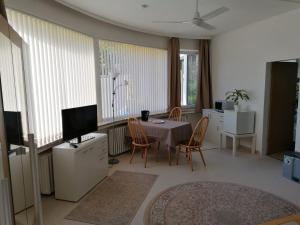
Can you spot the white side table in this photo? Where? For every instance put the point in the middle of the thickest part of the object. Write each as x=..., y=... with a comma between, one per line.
x=236, y=137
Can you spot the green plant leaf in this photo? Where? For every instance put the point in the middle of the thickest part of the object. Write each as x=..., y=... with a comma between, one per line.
x=236, y=95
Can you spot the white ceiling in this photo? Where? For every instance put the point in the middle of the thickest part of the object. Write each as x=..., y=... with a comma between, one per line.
x=130, y=14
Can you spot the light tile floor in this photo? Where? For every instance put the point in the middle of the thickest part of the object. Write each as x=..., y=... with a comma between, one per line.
x=246, y=169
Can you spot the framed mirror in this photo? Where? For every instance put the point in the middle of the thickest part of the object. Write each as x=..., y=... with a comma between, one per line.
x=17, y=154
x=6, y=204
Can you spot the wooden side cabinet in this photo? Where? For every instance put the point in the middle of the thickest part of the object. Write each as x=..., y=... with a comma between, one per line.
x=215, y=126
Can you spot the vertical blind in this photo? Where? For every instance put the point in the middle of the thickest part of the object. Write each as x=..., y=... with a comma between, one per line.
x=7, y=80
x=62, y=72
x=144, y=68
x=12, y=80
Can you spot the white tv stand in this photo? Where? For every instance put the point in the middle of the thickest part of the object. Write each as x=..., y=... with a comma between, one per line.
x=78, y=170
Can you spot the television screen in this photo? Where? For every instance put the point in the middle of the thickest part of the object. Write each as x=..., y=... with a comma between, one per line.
x=13, y=128
x=79, y=121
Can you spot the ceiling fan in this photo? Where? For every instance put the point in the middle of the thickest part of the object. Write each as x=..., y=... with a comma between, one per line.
x=198, y=20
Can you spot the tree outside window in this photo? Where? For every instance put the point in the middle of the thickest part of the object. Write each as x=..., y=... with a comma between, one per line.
x=189, y=75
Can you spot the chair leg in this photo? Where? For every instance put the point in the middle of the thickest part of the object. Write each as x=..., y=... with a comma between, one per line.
x=157, y=150
x=133, y=150
x=177, y=155
x=170, y=156
x=201, y=154
x=186, y=153
x=145, y=155
x=191, y=160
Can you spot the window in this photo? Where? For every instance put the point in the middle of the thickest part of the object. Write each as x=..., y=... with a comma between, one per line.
x=62, y=72
x=144, y=68
x=189, y=61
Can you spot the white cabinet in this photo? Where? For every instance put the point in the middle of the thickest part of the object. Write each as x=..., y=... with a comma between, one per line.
x=215, y=125
x=21, y=179
x=78, y=170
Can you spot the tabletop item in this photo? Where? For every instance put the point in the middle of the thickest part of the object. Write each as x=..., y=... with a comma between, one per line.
x=145, y=115
x=158, y=121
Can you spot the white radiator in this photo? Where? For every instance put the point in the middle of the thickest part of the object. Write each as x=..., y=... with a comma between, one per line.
x=5, y=206
x=120, y=140
x=46, y=173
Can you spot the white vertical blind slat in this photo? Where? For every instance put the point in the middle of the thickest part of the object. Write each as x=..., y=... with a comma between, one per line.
x=146, y=71
x=62, y=72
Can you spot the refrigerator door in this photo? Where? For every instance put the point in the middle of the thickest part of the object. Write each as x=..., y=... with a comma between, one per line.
x=239, y=122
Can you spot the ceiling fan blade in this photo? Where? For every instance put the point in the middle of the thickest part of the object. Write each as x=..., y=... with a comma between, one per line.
x=291, y=1
x=215, y=13
x=183, y=21
x=206, y=26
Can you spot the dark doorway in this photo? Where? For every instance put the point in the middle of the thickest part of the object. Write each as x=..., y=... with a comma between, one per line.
x=283, y=108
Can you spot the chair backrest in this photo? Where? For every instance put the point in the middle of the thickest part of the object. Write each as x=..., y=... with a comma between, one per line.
x=199, y=132
x=175, y=114
x=137, y=132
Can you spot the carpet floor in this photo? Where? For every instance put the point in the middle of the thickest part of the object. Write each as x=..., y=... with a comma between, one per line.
x=116, y=200
x=216, y=203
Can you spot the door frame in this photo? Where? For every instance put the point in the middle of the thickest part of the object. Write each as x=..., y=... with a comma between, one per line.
x=267, y=98
x=266, y=108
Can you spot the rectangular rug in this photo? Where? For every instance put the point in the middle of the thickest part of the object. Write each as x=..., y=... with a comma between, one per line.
x=116, y=200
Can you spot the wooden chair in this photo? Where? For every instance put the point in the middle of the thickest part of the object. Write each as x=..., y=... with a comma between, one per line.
x=195, y=142
x=140, y=139
x=175, y=114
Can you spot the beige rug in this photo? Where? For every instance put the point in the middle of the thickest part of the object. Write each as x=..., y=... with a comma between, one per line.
x=216, y=203
x=116, y=200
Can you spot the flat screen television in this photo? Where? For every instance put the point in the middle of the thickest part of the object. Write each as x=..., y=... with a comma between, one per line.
x=13, y=128
x=79, y=121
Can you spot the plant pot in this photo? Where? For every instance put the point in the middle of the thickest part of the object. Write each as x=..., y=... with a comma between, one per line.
x=236, y=108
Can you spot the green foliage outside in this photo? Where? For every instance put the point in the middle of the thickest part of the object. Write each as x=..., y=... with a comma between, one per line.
x=192, y=79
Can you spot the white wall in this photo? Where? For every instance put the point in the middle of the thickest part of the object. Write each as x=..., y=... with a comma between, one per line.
x=189, y=44
x=239, y=58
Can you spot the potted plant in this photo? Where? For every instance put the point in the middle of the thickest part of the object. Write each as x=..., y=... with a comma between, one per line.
x=237, y=95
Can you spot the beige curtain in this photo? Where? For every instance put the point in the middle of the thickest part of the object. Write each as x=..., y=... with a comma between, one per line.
x=174, y=69
x=204, y=96
x=2, y=9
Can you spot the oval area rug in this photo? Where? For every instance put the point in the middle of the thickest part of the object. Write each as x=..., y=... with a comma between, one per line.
x=216, y=203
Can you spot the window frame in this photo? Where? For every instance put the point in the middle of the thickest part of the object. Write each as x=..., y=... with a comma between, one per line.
x=189, y=107
x=101, y=120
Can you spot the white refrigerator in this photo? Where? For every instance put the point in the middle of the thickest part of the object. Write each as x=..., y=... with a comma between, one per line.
x=236, y=122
